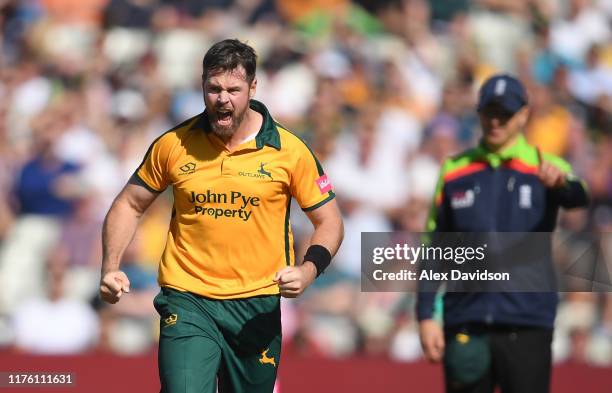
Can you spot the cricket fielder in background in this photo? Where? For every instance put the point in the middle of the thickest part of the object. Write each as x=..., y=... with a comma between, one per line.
x=502, y=185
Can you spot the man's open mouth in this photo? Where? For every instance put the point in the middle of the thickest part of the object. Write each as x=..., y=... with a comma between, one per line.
x=224, y=117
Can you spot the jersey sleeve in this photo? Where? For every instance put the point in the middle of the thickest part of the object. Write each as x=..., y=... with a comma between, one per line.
x=437, y=218
x=153, y=172
x=309, y=185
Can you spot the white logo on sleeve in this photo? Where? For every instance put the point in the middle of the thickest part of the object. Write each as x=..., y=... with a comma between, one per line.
x=525, y=196
x=324, y=184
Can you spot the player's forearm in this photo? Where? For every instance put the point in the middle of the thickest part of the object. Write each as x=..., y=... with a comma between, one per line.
x=119, y=227
x=329, y=234
x=324, y=244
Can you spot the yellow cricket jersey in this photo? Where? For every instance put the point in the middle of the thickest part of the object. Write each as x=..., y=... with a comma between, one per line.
x=230, y=230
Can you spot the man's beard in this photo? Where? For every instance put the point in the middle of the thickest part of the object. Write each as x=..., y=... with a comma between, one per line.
x=227, y=132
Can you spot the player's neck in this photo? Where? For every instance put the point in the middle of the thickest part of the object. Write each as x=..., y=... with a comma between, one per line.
x=501, y=147
x=249, y=127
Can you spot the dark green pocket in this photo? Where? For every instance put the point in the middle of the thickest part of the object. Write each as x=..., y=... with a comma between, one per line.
x=467, y=358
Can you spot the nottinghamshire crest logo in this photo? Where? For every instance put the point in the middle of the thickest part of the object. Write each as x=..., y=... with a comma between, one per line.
x=260, y=173
x=264, y=359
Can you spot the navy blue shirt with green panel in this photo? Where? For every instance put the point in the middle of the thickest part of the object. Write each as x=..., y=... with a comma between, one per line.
x=482, y=191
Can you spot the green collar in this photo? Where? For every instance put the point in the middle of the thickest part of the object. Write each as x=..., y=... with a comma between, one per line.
x=516, y=150
x=267, y=135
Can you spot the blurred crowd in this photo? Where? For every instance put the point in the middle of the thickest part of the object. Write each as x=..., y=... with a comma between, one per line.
x=382, y=90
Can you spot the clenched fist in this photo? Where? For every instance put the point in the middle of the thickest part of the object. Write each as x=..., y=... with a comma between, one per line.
x=113, y=285
x=293, y=280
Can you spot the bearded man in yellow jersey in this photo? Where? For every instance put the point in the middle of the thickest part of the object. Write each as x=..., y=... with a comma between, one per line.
x=229, y=254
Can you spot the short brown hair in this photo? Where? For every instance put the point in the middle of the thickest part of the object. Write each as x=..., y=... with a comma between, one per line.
x=229, y=54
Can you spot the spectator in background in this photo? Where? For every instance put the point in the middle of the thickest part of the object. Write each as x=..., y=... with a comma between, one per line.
x=9, y=165
x=580, y=26
x=132, y=14
x=44, y=194
x=439, y=142
x=78, y=249
x=547, y=115
x=77, y=12
x=54, y=324
x=593, y=80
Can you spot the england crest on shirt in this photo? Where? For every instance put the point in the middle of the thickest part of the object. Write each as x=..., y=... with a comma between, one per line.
x=525, y=196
